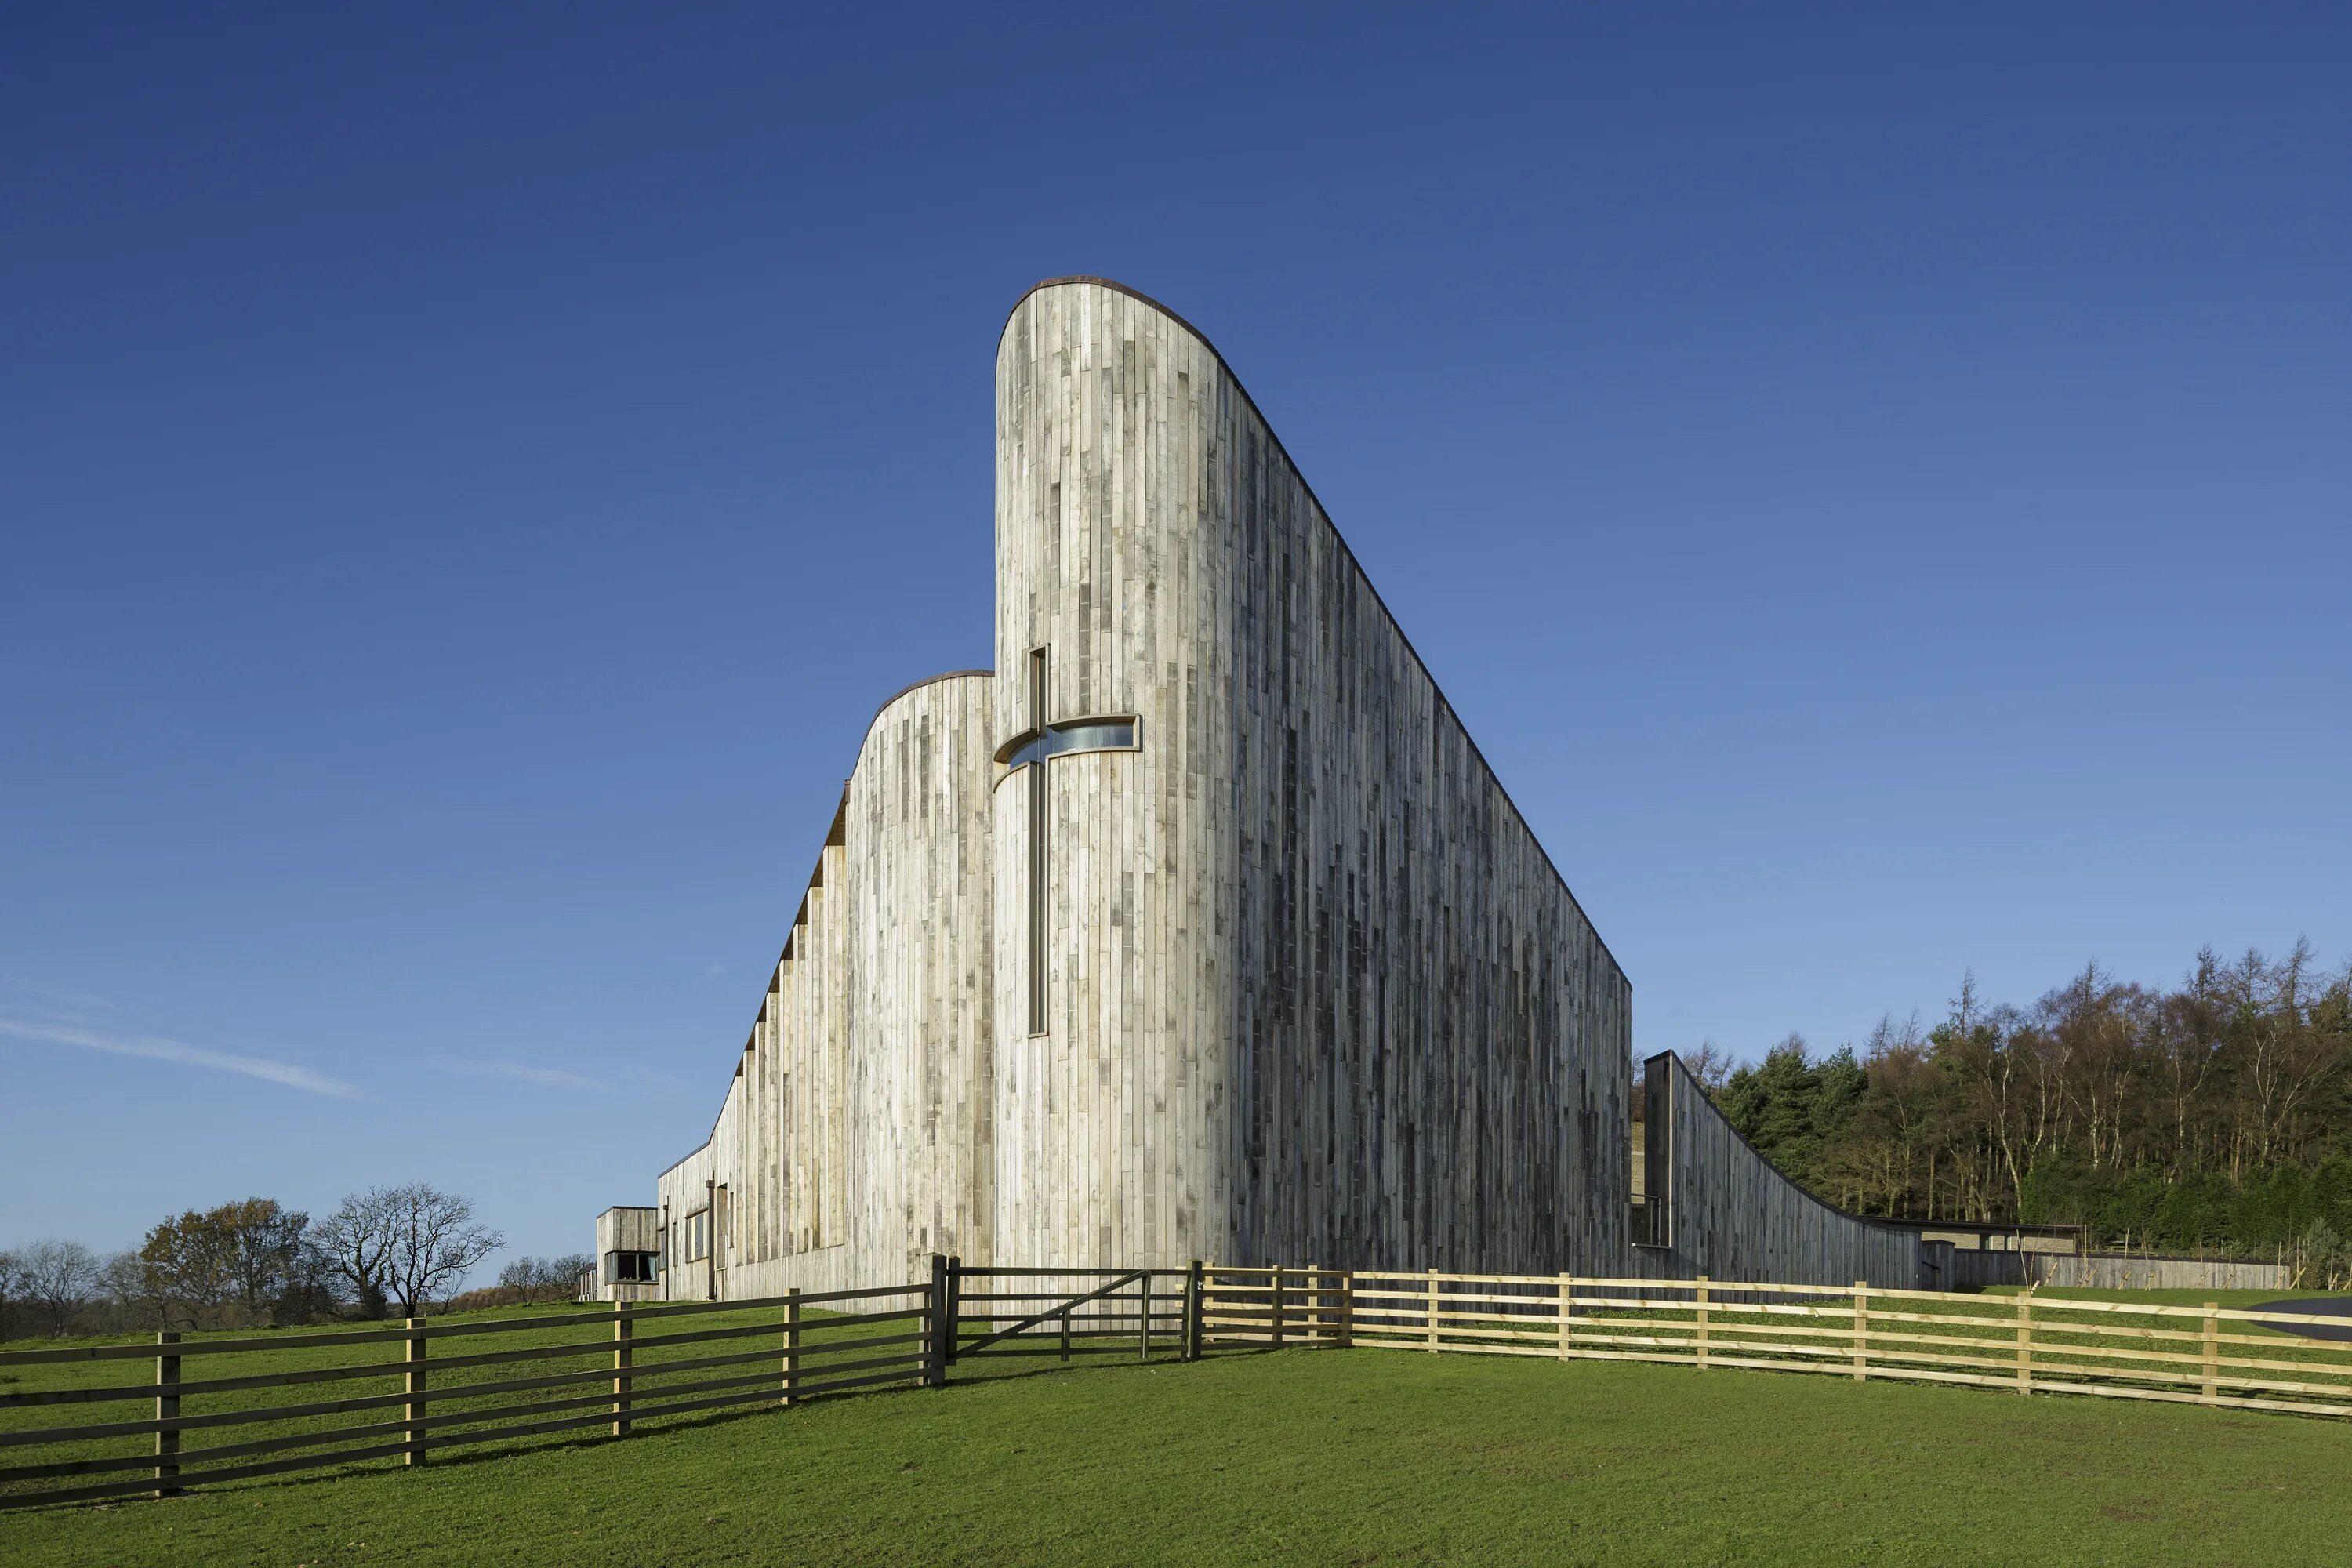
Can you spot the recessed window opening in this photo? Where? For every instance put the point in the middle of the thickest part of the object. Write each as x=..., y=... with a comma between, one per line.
x=1090, y=735
x=632, y=1268
x=1653, y=1149
x=1031, y=750
x=1037, y=843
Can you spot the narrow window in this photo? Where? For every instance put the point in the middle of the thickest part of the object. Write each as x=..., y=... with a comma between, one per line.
x=1654, y=1153
x=1037, y=847
x=1031, y=750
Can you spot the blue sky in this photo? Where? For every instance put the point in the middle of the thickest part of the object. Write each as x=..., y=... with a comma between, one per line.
x=1875, y=485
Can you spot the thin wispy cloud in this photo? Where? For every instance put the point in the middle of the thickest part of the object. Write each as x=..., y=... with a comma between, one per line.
x=516, y=1072
x=155, y=1047
x=71, y=998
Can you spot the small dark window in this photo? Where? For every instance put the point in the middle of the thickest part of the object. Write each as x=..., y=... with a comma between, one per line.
x=1653, y=1161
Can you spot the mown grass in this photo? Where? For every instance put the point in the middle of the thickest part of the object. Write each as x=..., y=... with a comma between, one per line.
x=1319, y=1456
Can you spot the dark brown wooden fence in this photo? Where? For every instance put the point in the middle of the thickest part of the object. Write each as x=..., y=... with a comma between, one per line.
x=1066, y=1313
x=431, y=1391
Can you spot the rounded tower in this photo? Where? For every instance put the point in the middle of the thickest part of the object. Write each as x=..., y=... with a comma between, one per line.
x=1111, y=825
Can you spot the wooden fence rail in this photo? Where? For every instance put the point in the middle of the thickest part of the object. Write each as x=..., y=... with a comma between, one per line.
x=2203, y=1355
x=433, y=1391
x=611, y=1368
x=613, y=1374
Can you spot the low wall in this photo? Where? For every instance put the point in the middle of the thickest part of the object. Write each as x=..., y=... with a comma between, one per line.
x=1731, y=1216
x=2123, y=1272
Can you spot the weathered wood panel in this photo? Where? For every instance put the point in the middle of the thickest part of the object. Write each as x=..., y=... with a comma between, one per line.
x=1313, y=988
x=1316, y=991
x=1733, y=1216
x=920, y=1041
x=626, y=1229
x=1110, y=558
x=856, y=1134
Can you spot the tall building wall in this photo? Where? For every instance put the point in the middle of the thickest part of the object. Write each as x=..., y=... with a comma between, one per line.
x=1280, y=974
x=857, y=1136
x=1300, y=934
x=1432, y=1045
x=920, y=881
x=1109, y=557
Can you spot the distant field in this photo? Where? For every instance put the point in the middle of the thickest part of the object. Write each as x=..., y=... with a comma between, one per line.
x=1319, y=1456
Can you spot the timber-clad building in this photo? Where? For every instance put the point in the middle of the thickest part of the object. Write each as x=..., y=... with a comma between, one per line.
x=1199, y=927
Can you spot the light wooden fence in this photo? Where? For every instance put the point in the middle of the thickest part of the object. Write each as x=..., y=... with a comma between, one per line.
x=2207, y=1354
x=443, y=1394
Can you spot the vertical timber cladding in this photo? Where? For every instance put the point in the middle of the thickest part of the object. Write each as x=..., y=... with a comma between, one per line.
x=1736, y=1217
x=922, y=1102
x=1309, y=989
x=1301, y=933
x=855, y=1137
x=1112, y=556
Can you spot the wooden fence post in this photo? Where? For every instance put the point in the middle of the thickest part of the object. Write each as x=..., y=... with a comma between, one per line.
x=1348, y=1309
x=2212, y=1393
x=934, y=1352
x=792, y=1345
x=1065, y=1333
x=414, y=1409
x=955, y=1305
x=1193, y=1290
x=1277, y=1306
x=2025, y=1343
x=1433, y=1308
x=620, y=1369
x=1702, y=1322
x=1861, y=1330
x=167, y=1408
x=1566, y=1315
x=1143, y=1330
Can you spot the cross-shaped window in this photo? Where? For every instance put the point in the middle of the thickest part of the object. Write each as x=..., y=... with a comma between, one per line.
x=1032, y=749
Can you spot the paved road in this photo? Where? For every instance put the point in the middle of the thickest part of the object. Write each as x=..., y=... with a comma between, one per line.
x=2316, y=1305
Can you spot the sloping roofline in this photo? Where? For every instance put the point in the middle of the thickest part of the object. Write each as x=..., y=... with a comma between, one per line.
x=1345, y=549
x=817, y=879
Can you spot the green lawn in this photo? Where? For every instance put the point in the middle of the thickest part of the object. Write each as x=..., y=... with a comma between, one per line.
x=1315, y=1457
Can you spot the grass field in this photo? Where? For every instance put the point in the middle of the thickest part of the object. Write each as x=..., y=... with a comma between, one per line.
x=1318, y=1457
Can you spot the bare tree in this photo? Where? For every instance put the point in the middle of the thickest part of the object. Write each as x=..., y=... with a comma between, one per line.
x=1711, y=1065
x=356, y=1240
x=433, y=1242
x=12, y=1282
x=528, y=1276
x=58, y=1277
x=129, y=1282
x=522, y=1274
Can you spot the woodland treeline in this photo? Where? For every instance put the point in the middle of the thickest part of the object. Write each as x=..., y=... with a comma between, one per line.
x=2214, y=1115
x=391, y=1250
